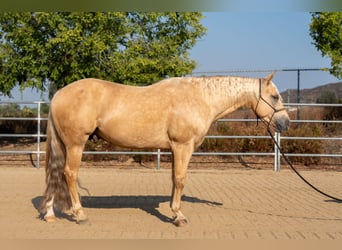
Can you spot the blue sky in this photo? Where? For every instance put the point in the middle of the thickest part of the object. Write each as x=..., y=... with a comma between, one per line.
x=261, y=41
x=256, y=40
x=253, y=40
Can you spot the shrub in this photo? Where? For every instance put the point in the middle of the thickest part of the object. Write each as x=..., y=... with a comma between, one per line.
x=236, y=145
x=304, y=146
x=19, y=126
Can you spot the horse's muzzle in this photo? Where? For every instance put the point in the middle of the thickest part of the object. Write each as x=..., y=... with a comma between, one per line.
x=282, y=123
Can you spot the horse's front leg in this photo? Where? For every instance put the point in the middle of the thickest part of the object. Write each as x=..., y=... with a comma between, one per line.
x=181, y=157
x=73, y=162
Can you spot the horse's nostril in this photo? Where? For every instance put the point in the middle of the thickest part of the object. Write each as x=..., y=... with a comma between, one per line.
x=287, y=124
x=282, y=124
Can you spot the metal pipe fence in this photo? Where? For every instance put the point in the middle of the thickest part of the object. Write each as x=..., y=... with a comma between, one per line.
x=158, y=153
x=280, y=138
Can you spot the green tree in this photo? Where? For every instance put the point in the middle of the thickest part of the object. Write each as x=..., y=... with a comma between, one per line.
x=41, y=49
x=326, y=31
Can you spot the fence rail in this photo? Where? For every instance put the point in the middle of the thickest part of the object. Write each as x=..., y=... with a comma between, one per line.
x=277, y=156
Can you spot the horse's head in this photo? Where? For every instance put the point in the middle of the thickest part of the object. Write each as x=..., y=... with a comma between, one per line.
x=268, y=105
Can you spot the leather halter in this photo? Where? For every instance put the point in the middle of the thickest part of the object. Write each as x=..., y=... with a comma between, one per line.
x=261, y=98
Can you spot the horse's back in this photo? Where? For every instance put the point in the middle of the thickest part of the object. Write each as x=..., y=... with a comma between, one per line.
x=85, y=88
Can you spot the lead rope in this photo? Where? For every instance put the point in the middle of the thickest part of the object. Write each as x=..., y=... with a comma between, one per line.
x=297, y=173
x=267, y=124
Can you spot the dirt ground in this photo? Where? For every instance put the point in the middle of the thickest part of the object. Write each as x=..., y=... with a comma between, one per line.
x=133, y=203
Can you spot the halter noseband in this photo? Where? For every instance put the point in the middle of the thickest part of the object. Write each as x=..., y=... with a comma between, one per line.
x=265, y=101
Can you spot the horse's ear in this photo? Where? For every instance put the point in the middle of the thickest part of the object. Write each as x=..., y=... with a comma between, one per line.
x=269, y=77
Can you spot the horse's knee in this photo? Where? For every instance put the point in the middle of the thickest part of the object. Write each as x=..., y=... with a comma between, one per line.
x=179, y=182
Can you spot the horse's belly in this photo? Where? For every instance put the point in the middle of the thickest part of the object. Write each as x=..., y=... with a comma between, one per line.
x=135, y=137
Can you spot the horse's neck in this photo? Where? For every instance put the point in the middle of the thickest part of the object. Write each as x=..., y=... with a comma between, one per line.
x=227, y=94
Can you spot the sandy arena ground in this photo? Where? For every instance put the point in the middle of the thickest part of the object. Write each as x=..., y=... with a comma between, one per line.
x=220, y=204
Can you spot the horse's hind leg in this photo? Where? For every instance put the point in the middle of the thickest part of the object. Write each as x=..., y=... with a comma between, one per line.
x=50, y=214
x=181, y=157
x=73, y=162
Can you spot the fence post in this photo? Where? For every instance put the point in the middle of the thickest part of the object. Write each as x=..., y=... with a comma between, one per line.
x=158, y=159
x=277, y=152
x=38, y=136
x=298, y=94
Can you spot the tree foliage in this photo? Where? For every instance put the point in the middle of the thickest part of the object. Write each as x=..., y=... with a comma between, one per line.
x=38, y=49
x=326, y=31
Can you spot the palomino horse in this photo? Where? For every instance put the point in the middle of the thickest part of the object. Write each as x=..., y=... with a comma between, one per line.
x=174, y=113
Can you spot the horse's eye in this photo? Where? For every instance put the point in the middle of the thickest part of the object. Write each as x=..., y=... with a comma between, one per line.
x=275, y=97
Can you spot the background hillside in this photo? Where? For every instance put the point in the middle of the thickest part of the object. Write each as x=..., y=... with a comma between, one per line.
x=314, y=94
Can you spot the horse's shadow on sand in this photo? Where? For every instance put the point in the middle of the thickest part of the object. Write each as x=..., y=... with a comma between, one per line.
x=147, y=203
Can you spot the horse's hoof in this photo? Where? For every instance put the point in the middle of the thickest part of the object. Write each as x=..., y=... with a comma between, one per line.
x=181, y=222
x=82, y=221
x=51, y=218
x=80, y=217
